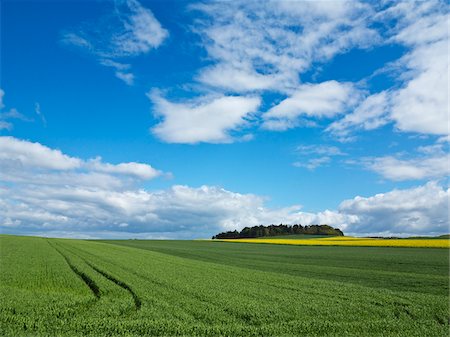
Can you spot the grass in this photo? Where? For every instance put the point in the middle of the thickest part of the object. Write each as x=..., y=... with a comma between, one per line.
x=203, y=288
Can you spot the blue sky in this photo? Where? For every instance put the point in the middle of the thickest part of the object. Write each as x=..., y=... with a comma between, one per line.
x=180, y=119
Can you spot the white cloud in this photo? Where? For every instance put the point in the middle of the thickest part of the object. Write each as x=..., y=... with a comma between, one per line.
x=116, y=65
x=418, y=22
x=422, y=210
x=257, y=45
x=267, y=47
x=207, y=119
x=368, y=115
x=413, y=169
x=5, y=125
x=239, y=80
x=77, y=41
x=33, y=163
x=444, y=139
x=37, y=109
x=35, y=155
x=314, y=156
x=122, y=70
x=141, y=31
x=94, y=199
x=46, y=191
x=139, y=170
x=7, y=116
x=2, y=93
x=14, y=114
x=133, y=30
x=313, y=163
x=393, y=168
x=180, y=210
x=319, y=149
x=323, y=100
x=419, y=103
x=429, y=162
x=128, y=78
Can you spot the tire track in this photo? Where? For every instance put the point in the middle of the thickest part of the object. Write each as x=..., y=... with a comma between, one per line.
x=86, y=279
x=183, y=292
x=136, y=299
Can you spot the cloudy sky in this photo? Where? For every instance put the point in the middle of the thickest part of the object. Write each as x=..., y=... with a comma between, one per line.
x=176, y=119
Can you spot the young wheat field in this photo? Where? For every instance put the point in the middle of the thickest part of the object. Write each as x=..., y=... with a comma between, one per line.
x=58, y=287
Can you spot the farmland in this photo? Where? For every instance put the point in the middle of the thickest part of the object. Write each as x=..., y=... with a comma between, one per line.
x=133, y=287
x=348, y=241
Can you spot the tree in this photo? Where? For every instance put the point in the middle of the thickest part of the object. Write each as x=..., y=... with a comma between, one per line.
x=274, y=230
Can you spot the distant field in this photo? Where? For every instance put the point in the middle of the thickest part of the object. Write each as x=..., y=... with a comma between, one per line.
x=347, y=241
x=207, y=288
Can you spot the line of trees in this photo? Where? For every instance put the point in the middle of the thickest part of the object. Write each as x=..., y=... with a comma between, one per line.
x=276, y=230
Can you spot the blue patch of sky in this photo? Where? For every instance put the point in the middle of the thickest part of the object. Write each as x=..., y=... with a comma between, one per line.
x=92, y=113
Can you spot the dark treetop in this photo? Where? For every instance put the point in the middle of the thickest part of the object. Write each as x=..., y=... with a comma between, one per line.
x=276, y=230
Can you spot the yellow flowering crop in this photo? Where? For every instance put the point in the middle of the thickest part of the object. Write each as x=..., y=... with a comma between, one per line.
x=352, y=241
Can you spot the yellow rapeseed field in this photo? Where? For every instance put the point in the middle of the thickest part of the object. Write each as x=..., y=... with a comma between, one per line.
x=352, y=241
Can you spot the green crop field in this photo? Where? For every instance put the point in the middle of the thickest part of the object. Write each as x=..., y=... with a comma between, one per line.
x=57, y=287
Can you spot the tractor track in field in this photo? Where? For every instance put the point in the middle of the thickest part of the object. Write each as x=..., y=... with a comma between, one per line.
x=137, y=300
x=166, y=286
x=182, y=292
x=86, y=279
x=120, y=283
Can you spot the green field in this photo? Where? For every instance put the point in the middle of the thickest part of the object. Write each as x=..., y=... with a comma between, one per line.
x=204, y=288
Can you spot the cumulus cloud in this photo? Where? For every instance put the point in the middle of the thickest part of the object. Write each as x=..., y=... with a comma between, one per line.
x=35, y=155
x=132, y=30
x=254, y=47
x=139, y=170
x=323, y=100
x=206, y=119
x=46, y=191
x=90, y=198
x=26, y=162
x=419, y=101
x=422, y=210
x=180, y=211
x=421, y=105
x=430, y=162
x=410, y=169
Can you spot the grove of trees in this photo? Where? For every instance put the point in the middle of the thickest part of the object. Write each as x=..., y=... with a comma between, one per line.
x=276, y=230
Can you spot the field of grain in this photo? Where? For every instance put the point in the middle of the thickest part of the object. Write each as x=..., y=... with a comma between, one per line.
x=349, y=241
x=205, y=288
